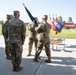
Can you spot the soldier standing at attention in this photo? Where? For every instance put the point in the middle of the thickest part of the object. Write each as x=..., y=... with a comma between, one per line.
x=4, y=27
x=16, y=36
x=43, y=30
x=32, y=37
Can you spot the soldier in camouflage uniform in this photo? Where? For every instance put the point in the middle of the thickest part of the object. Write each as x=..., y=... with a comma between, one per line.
x=16, y=37
x=43, y=30
x=4, y=26
x=32, y=37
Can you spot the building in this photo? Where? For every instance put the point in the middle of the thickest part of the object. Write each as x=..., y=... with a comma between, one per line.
x=70, y=25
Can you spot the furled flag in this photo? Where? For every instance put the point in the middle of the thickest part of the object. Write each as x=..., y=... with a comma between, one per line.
x=30, y=15
x=56, y=20
x=59, y=26
x=51, y=22
x=55, y=24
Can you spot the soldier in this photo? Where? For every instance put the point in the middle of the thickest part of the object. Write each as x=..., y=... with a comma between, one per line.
x=32, y=37
x=43, y=30
x=4, y=26
x=16, y=37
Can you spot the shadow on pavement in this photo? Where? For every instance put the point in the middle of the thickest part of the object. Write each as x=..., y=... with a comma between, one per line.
x=71, y=46
x=49, y=69
x=64, y=60
x=29, y=67
x=63, y=50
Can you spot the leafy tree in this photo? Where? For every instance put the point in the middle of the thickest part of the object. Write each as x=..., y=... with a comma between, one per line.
x=1, y=22
x=64, y=22
x=60, y=18
x=70, y=19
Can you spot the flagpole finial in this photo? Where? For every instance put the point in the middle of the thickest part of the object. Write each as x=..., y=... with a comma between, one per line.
x=24, y=5
x=49, y=15
x=53, y=15
x=56, y=14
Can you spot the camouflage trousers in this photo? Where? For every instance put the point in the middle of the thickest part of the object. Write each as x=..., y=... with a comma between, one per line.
x=30, y=44
x=7, y=49
x=16, y=53
x=40, y=47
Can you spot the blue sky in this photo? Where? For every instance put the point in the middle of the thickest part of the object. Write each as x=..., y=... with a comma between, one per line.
x=64, y=8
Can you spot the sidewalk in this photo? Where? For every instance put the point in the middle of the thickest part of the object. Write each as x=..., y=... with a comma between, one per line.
x=63, y=62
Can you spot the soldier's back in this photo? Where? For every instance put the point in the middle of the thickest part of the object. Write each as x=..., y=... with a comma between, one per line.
x=4, y=26
x=15, y=28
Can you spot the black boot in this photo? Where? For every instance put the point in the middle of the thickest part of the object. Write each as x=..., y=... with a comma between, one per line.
x=35, y=59
x=8, y=57
x=14, y=68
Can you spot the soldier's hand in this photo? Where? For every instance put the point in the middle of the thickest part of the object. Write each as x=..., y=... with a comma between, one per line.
x=34, y=23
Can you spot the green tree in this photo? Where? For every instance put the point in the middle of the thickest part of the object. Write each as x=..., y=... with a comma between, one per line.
x=64, y=22
x=1, y=22
x=70, y=19
x=60, y=18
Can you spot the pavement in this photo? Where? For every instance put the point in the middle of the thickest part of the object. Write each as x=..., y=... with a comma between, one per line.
x=63, y=61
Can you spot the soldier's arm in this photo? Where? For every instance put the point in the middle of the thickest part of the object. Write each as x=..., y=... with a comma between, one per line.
x=3, y=30
x=4, y=27
x=23, y=33
x=6, y=31
x=38, y=29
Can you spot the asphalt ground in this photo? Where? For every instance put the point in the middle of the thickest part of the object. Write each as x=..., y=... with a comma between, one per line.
x=63, y=61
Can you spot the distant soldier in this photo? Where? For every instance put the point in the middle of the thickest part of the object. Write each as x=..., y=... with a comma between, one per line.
x=43, y=30
x=16, y=37
x=4, y=27
x=32, y=37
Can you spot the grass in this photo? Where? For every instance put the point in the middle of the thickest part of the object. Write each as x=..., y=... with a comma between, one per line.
x=27, y=32
x=66, y=33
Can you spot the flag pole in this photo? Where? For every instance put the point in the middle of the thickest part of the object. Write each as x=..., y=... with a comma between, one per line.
x=30, y=15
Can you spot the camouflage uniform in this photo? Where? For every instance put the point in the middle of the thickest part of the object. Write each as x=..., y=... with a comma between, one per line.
x=4, y=27
x=43, y=30
x=32, y=37
x=16, y=37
